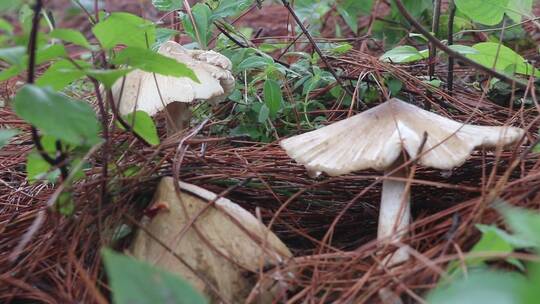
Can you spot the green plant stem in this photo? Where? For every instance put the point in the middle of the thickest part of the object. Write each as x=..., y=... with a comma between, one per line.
x=435, y=30
x=508, y=79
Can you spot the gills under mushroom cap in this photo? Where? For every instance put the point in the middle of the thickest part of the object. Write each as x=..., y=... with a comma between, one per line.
x=375, y=138
x=139, y=89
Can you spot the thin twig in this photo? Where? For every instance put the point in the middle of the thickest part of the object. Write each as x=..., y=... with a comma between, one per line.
x=319, y=52
x=450, y=75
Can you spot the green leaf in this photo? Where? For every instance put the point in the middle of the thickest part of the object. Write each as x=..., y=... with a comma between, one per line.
x=394, y=85
x=487, y=12
x=264, y=113
x=402, y=54
x=65, y=204
x=351, y=9
x=501, y=57
x=71, y=36
x=168, y=5
x=13, y=55
x=6, y=26
x=463, y=49
x=125, y=29
x=272, y=96
x=524, y=223
x=61, y=73
x=517, y=9
x=38, y=169
x=6, y=135
x=134, y=282
x=202, y=15
x=495, y=240
x=107, y=77
x=149, y=61
x=58, y=115
x=228, y=8
x=481, y=287
x=143, y=125
x=253, y=63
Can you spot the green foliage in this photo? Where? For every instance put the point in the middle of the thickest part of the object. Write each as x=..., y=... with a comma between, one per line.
x=201, y=32
x=71, y=36
x=144, y=126
x=502, y=58
x=272, y=96
x=57, y=115
x=135, y=282
x=403, y=54
x=146, y=60
x=168, y=5
x=126, y=29
x=494, y=286
x=517, y=9
x=38, y=169
x=350, y=10
x=488, y=12
x=6, y=135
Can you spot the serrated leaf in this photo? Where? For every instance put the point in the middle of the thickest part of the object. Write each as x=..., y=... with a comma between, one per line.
x=6, y=135
x=125, y=29
x=487, y=12
x=144, y=126
x=135, y=282
x=57, y=115
x=272, y=96
x=71, y=36
x=149, y=61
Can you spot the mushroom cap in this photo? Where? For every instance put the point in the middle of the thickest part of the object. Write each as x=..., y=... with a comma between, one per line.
x=140, y=89
x=375, y=138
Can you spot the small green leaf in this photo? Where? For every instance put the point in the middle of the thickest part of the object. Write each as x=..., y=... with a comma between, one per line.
x=6, y=135
x=13, y=55
x=228, y=8
x=38, y=169
x=394, y=85
x=168, y=5
x=107, y=77
x=253, y=63
x=463, y=49
x=272, y=96
x=61, y=73
x=501, y=57
x=517, y=9
x=71, y=36
x=57, y=115
x=264, y=113
x=125, y=29
x=402, y=54
x=149, y=61
x=6, y=26
x=144, y=126
x=133, y=281
x=481, y=287
x=202, y=16
x=524, y=223
x=487, y=12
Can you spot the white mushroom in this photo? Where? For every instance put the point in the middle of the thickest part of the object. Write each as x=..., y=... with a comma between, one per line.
x=377, y=138
x=152, y=93
x=229, y=242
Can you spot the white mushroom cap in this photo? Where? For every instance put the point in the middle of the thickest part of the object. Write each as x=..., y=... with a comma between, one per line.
x=140, y=89
x=375, y=138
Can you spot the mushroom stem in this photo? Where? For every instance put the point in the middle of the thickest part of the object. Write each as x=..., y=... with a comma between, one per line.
x=395, y=212
x=178, y=117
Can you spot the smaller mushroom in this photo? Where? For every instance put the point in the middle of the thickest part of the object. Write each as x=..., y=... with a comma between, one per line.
x=221, y=243
x=381, y=138
x=152, y=93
